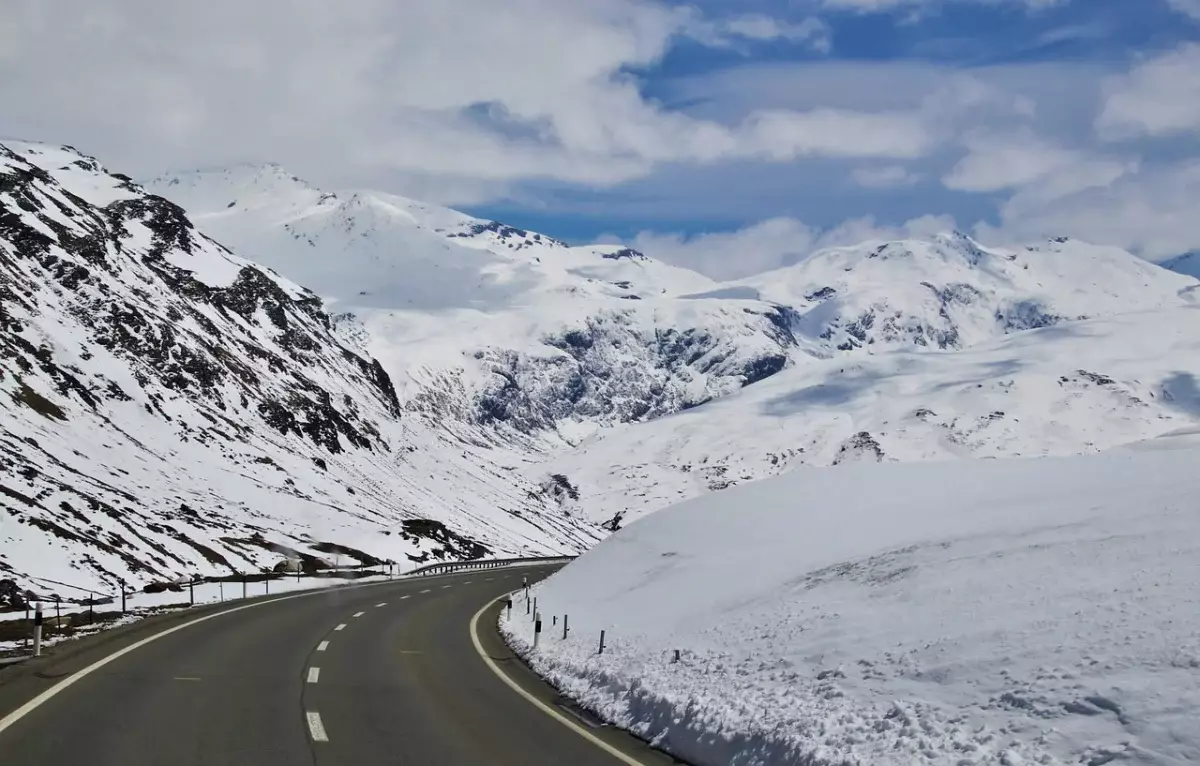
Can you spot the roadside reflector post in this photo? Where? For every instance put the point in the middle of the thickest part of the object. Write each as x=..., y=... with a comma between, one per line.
x=192, y=590
x=267, y=584
x=122, y=599
x=243, y=584
x=221, y=586
x=601, y=642
x=554, y=620
x=535, y=607
x=564, y=627
x=58, y=612
x=676, y=657
x=508, y=603
x=37, y=629
x=537, y=630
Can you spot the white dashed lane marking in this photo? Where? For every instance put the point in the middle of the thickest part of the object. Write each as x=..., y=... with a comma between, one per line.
x=341, y=627
x=315, y=728
x=322, y=646
x=314, y=675
x=359, y=614
x=382, y=603
x=425, y=591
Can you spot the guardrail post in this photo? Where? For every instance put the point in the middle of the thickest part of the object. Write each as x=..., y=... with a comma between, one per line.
x=37, y=629
x=601, y=642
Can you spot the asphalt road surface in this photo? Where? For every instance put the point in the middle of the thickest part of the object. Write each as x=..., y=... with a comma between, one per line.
x=371, y=675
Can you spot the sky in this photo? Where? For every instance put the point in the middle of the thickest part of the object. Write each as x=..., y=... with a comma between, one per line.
x=732, y=136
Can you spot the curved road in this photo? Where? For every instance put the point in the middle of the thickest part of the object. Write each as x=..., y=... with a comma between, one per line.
x=376, y=674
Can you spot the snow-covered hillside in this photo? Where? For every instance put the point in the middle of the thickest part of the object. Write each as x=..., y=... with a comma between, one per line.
x=1073, y=388
x=489, y=322
x=975, y=612
x=169, y=408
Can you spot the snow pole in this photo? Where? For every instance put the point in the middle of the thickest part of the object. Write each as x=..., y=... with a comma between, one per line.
x=37, y=629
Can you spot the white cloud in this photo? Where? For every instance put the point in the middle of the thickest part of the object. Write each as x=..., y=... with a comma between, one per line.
x=773, y=243
x=884, y=177
x=1151, y=212
x=875, y=6
x=1036, y=169
x=477, y=90
x=1188, y=7
x=1159, y=97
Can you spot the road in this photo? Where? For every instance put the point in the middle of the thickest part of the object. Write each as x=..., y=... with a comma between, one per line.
x=377, y=674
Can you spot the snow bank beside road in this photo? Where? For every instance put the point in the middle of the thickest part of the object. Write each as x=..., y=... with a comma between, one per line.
x=989, y=612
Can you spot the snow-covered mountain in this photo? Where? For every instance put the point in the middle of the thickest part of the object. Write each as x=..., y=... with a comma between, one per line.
x=491, y=322
x=167, y=407
x=905, y=350
x=173, y=407
x=949, y=292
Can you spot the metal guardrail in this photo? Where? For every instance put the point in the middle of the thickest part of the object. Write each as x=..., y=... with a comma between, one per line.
x=467, y=566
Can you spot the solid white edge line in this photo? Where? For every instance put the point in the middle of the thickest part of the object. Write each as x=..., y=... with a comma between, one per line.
x=316, y=729
x=314, y=675
x=622, y=757
x=322, y=646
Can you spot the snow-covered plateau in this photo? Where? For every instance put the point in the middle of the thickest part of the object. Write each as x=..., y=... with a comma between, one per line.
x=1023, y=611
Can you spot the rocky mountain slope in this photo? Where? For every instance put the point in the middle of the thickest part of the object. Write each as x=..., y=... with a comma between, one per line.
x=168, y=408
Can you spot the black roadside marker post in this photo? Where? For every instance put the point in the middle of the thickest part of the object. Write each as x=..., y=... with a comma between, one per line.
x=565, y=627
x=676, y=658
x=122, y=599
x=508, y=604
x=37, y=630
x=537, y=630
x=601, y=642
x=192, y=590
x=267, y=584
x=535, y=607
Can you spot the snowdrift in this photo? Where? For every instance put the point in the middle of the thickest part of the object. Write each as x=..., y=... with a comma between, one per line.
x=976, y=612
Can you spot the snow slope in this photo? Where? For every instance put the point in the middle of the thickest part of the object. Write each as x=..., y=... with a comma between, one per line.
x=1073, y=388
x=169, y=408
x=974, y=612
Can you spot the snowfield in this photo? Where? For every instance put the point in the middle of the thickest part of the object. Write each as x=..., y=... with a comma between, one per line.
x=1026, y=611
